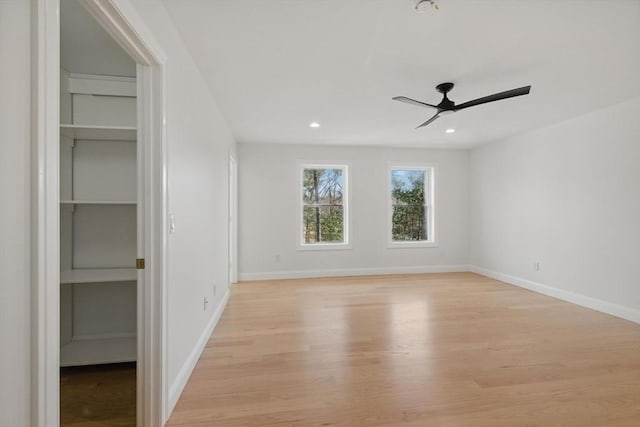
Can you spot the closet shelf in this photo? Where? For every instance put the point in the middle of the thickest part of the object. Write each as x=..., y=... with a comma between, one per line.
x=98, y=275
x=97, y=202
x=102, y=133
x=97, y=351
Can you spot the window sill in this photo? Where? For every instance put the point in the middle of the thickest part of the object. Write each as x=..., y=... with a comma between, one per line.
x=410, y=245
x=325, y=247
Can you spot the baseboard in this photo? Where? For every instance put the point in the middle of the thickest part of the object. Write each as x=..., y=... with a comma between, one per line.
x=187, y=368
x=613, y=309
x=308, y=274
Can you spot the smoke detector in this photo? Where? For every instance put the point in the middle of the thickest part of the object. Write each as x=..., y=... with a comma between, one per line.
x=423, y=5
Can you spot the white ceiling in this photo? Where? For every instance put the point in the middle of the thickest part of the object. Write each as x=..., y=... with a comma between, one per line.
x=275, y=66
x=86, y=48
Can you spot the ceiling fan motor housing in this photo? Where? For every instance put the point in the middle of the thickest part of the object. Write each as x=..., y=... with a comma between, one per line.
x=446, y=103
x=445, y=87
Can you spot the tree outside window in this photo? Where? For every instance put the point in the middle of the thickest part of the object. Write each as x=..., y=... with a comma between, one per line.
x=323, y=200
x=411, y=204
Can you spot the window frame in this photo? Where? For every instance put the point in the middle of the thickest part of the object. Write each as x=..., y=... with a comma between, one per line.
x=346, y=202
x=431, y=202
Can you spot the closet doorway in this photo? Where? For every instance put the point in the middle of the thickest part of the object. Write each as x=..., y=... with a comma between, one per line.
x=98, y=224
x=99, y=231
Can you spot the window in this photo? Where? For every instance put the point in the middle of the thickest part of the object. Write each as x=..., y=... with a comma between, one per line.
x=411, y=206
x=324, y=210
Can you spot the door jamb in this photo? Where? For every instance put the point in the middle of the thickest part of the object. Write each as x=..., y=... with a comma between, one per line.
x=123, y=23
x=233, y=217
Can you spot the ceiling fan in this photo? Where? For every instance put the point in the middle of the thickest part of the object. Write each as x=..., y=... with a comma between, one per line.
x=447, y=106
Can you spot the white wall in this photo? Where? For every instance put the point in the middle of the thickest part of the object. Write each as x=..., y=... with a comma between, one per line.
x=199, y=142
x=15, y=134
x=567, y=196
x=268, y=212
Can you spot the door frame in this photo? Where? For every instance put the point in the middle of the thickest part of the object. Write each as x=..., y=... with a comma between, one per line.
x=233, y=219
x=126, y=27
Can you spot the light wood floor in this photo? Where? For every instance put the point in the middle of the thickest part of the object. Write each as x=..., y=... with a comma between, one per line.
x=98, y=396
x=416, y=350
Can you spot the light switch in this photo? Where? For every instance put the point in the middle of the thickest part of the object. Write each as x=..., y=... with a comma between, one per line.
x=172, y=223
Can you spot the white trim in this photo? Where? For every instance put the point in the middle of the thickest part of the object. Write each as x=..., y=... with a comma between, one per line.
x=187, y=368
x=309, y=274
x=102, y=77
x=103, y=336
x=233, y=219
x=613, y=309
x=45, y=318
x=432, y=204
x=324, y=247
x=130, y=33
x=90, y=84
x=151, y=280
x=346, y=206
x=411, y=244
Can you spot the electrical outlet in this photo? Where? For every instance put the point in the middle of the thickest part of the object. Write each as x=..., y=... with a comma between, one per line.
x=536, y=266
x=205, y=301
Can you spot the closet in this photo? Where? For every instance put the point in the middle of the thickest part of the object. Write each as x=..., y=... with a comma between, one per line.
x=99, y=181
x=98, y=193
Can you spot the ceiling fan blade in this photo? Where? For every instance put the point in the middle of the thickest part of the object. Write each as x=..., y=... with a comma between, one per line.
x=413, y=102
x=495, y=97
x=428, y=122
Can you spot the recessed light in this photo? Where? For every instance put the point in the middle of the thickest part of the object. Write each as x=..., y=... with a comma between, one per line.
x=450, y=130
x=314, y=125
